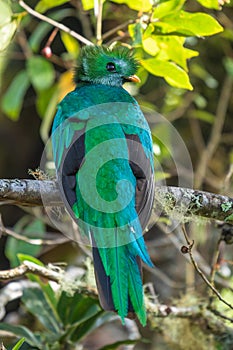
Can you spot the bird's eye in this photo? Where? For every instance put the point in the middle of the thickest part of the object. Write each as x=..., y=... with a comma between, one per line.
x=111, y=67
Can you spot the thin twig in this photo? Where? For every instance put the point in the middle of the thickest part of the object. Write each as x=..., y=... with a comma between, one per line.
x=116, y=29
x=54, y=23
x=201, y=274
x=34, y=241
x=219, y=314
x=22, y=40
x=215, y=135
x=52, y=37
x=214, y=262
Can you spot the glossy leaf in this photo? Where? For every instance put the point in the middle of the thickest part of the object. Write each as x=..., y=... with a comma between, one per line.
x=7, y=24
x=151, y=46
x=174, y=75
x=85, y=327
x=211, y=4
x=167, y=7
x=44, y=284
x=139, y=5
x=36, y=302
x=44, y=5
x=189, y=24
x=12, y=101
x=41, y=72
x=169, y=47
x=77, y=308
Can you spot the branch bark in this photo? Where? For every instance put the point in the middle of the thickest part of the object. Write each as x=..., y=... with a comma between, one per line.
x=172, y=200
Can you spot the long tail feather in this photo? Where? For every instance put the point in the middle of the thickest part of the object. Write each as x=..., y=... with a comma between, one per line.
x=136, y=291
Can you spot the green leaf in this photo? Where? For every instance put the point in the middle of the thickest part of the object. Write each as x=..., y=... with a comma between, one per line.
x=167, y=7
x=29, y=229
x=189, y=24
x=77, y=308
x=139, y=5
x=36, y=302
x=21, y=331
x=150, y=45
x=71, y=44
x=18, y=344
x=45, y=286
x=169, y=48
x=41, y=72
x=7, y=24
x=203, y=115
x=174, y=75
x=135, y=31
x=85, y=327
x=44, y=5
x=228, y=64
x=210, y=4
x=23, y=257
x=12, y=101
x=88, y=4
x=49, y=111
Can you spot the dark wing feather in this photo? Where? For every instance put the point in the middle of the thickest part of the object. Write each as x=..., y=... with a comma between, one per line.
x=143, y=172
x=72, y=162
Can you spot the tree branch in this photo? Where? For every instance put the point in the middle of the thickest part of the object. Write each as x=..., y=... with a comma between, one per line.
x=29, y=266
x=54, y=23
x=173, y=200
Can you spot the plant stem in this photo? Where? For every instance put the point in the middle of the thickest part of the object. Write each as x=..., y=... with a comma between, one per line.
x=99, y=21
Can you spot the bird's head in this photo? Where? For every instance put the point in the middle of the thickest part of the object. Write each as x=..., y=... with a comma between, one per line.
x=102, y=65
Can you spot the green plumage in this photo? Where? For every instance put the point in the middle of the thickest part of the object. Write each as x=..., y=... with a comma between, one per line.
x=103, y=154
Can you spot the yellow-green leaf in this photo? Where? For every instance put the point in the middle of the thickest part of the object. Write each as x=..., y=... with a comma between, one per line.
x=139, y=5
x=88, y=4
x=190, y=24
x=171, y=48
x=167, y=7
x=174, y=75
x=135, y=31
x=44, y=5
x=71, y=44
x=7, y=24
x=18, y=344
x=210, y=4
x=150, y=45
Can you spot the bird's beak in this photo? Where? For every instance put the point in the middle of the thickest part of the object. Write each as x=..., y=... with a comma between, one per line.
x=133, y=79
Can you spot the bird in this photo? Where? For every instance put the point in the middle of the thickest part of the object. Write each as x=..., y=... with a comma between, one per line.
x=103, y=154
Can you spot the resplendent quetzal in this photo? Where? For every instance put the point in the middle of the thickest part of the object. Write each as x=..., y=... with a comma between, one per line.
x=103, y=155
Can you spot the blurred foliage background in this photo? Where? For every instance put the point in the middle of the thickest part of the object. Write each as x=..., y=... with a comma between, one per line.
x=186, y=76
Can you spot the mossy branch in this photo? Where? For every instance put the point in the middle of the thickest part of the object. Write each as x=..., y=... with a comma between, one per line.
x=172, y=200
